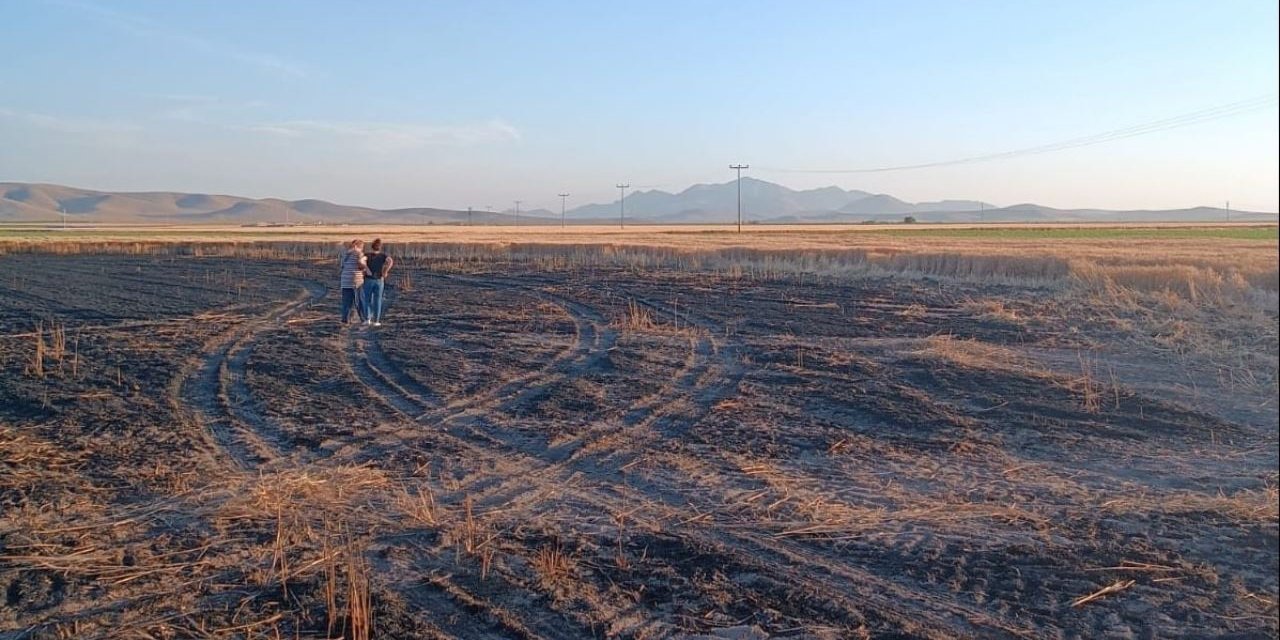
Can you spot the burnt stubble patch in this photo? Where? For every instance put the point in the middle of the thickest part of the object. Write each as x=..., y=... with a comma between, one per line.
x=550, y=450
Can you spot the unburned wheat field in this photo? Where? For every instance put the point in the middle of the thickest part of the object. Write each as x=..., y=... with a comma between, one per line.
x=559, y=444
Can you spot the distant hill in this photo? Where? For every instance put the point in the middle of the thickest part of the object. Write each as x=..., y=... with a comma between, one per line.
x=766, y=202
x=762, y=202
x=21, y=202
x=878, y=204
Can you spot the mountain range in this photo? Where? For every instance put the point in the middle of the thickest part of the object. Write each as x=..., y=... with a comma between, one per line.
x=762, y=202
x=766, y=202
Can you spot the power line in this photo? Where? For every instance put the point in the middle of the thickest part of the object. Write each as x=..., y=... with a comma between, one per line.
x=622, y=206
x=739, y=168
x=1154, y=126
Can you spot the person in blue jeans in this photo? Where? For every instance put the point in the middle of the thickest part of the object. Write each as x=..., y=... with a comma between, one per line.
x=379, y=264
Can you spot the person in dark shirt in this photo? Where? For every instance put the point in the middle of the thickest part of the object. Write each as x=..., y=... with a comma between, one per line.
x=379, y=265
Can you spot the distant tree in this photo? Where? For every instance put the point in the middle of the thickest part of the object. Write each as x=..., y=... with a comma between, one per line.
x=909, y=220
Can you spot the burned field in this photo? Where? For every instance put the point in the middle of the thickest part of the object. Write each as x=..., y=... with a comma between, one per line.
x=192, y=447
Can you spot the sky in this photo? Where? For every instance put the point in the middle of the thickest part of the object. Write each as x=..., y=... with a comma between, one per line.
x=480, y=103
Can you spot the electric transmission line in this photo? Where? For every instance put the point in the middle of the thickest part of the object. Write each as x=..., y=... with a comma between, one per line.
x=1154, y=126
x=739, y=168
x=622, y=205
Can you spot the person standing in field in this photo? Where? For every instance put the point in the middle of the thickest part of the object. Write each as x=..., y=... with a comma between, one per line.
x=379, y=265
x=353, y=268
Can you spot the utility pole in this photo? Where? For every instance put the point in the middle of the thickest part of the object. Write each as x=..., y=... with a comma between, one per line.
x=64, y=216
x=1228, y=211
x=739, y=168
x=622, y=206
x=518, y=212
x=982, y=212
x=562, y=198
x=468, y=216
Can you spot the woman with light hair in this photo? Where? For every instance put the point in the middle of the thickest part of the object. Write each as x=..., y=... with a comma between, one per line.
x=353, y=268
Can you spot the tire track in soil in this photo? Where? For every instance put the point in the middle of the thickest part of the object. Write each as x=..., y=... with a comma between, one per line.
x=696, y=379
x=596, y=338
x=440, y=603
x=455, y=610
x=458, y=613
x=405, y=395
x=593, y=338
x=711, y=373
x=785, y=553
x=215, y=391
x=239, y=399
x=793, y=553
x=700, y=378
x=766, y=555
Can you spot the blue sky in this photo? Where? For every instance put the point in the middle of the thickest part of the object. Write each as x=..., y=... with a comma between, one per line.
x=480, y=103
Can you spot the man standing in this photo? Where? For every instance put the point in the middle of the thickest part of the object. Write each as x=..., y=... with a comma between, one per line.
x=379, y=266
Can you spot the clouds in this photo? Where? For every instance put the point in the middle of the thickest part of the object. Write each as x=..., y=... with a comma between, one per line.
x=384, y=137
x=204, y=108
x=209, y=116
x=69, y=125
x=148, y=29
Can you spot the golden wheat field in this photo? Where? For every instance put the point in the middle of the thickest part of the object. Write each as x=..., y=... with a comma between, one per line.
x=1016, y=431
